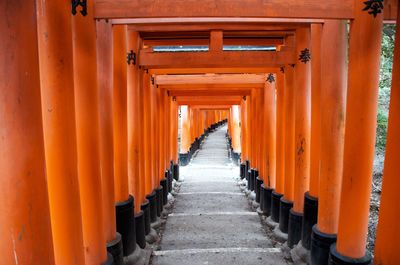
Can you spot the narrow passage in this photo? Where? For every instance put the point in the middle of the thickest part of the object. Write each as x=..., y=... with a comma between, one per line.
x=212, y=222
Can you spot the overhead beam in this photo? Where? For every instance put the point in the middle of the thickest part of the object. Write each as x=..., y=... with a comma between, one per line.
x=205, y=42
x=210, y=107
x=210, y=92
x=328, y=9
x=224, y=70
x=215, y=59
x=209, y=100
x=216, y=103
x=235, y=79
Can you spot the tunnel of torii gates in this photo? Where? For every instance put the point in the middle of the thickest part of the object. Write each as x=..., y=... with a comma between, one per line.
x=89, y=120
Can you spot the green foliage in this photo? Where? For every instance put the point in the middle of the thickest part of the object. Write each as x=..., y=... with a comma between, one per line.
x=388, y=38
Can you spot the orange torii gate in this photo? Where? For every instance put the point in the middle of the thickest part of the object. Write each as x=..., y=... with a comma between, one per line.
x=89, y=130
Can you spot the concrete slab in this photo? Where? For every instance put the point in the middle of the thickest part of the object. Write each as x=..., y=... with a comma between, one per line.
x=211, y=221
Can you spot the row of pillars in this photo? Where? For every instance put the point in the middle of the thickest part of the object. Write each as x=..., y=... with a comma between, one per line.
x=88, y=142
x=308, y=140
x=195, y=125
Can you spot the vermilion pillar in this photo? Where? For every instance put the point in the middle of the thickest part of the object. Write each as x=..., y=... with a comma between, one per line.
x=243, y=130
x=120, y=113
x=235, y=132
x=146, y=132
x=185, y=136
x=360, y=132
x=270, y=132
x=316, y=36
x=280, y=133
x=57, y=91
x=311, y=196
x=386, y=252
x=287, y=200
x=333, y=99
x=25, y=224
x=105, y=87
x=280, y=146
x=124, y=201
x=174, y=130
x=236, y=129
x=269, y=143
x=302, y=133
x=133, y=98
x=87, y=129
x=153, y=140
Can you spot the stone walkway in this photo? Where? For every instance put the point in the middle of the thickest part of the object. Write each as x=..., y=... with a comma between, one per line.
x=211, y=222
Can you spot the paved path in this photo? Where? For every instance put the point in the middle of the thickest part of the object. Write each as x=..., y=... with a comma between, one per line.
x=211, y=222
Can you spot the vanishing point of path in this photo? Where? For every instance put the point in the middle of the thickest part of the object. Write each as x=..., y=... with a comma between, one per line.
x=211, y=222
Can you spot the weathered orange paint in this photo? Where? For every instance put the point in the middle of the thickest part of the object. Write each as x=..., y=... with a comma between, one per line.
x=316, y=35
x=289, y=133
x=360, y=132
x=280, y=133
x=25, y=224
x=302, y=121
x=388, y=229
x=57, y=93
x=87, y=132
x=333, y=98
x=121, y=186
x=105, y=86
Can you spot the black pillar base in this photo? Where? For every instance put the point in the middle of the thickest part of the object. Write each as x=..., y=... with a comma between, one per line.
x=126, y=224
x=140, y=233
x=169, y=180
x=184, y=158
x=164, y=184
x=284, y=210
x=336, y=259
x=175, y=172
x=249, y=179
x=115, y=249
x=310, y=218
x=275, y=205
x=145, y=207
x=159, y=199
x=153, y=206
x=109, y=261
x=236, y=157
x=259, y=182
x=242, y=171
x=246, y=169
x=320, y=246
x=267, y=192
x=294, y=229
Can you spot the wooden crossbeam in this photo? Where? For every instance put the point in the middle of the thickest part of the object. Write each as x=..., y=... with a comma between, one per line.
x=209, y=100
x=310, y=9
x=205, y=42
x=342, y=9
x=223, y=70
x=210, y=92
x=210, y=107
x=234, y=79
x=215, y=59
